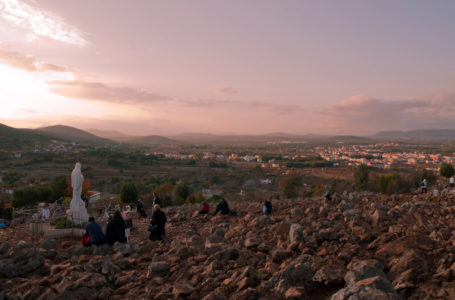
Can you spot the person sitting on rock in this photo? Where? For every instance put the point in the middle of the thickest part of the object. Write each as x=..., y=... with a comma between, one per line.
x=157, y=224
x=94, y=231
x=115, y=229
x=327, y=195
x=223, y=206
x=267, y=209
x=204, y=209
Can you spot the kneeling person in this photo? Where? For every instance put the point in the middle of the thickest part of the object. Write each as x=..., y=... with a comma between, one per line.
x=94, y=231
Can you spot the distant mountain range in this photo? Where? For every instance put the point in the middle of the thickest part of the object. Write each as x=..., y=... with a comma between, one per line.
x=416, y=134
x=133, y=139
x=16, y=138
x=71, y=134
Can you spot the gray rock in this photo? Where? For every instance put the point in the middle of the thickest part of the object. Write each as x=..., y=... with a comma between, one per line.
x=296, y=233
x=4, y=247
x=103, y=250
x=297, y=273
x=159, y=268
x=49, y=244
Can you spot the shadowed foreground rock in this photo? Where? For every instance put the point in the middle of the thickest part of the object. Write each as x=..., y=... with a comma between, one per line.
x=358, y=246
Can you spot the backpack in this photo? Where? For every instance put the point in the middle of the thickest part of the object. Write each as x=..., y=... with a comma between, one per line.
x=85, y=241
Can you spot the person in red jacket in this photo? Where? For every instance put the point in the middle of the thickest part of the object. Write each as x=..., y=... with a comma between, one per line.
x=205, y=208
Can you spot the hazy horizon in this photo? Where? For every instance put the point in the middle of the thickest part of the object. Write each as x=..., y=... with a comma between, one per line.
x=228, y=67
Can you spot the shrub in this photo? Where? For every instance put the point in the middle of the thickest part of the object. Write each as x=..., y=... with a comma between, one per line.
x=361, y=177
x=290, y=184
x=447, y=170
x=129, y=193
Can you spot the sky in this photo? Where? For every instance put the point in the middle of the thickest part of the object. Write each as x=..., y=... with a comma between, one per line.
x=228, y=66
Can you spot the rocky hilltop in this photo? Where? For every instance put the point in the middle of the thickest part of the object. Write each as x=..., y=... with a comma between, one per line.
x=357, y=246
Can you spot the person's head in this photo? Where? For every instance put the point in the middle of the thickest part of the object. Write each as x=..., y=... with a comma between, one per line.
x=139, y=201
x=223, y=200
x=77, y=166
x=156, y=207
x=117, y=214
x=91, y=219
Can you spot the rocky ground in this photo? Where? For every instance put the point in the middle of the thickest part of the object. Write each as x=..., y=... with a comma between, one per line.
x=358, y=246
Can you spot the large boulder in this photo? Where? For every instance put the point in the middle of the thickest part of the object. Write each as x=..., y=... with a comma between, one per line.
x=366, y=280
x=297, y=273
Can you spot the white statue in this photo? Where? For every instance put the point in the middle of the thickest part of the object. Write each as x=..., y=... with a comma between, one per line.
x=78, y=211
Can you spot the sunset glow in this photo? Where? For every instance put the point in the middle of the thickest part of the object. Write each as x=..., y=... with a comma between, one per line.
x=229, y=67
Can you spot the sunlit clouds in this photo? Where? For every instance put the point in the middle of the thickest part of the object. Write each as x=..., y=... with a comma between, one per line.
x=40, y=23
x=166, y=67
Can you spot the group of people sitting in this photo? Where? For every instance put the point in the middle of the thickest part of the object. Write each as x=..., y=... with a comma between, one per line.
x=118, y=228
x=223, y=207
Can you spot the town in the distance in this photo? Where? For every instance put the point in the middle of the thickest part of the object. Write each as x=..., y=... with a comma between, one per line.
x=226, y=216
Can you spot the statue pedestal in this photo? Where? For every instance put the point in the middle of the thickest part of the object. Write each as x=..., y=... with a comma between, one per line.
x=78, y=213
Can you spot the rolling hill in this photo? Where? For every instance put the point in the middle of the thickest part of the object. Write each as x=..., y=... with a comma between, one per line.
x=417, y=134
x=15, y=138
x=71, y=134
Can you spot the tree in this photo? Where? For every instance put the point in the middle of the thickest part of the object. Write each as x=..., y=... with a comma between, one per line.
x=361, y=177
x=129, y=193
x=181, y=192
x=446, y=170
x=86, y=186
x=289, y=185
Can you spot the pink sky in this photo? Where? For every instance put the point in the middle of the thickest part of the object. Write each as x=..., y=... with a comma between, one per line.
x=165, y=67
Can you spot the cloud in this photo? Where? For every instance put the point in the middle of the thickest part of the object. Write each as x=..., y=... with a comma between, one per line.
x=227, y=90
x=40, y=22
x=77, y=86
x=97, y=91
x=29, y=63
x=361, y=114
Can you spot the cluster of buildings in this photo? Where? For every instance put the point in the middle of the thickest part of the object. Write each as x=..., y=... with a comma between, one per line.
x=372, y=156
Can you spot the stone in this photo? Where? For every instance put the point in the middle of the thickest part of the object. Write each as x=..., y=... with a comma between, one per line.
x=279, y=255
x=104, y=249
x=4, y=248
x=296, y=233
x=159, y=268
x=182, y=289
x=330, y=275
x=294, y=293
x=50, y=244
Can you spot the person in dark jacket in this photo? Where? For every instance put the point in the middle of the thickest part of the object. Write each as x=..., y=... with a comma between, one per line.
x=95, y=232
x=223, y=206
x=157, y=224
x=115, y=229
x=140, y=209
x=267, y=209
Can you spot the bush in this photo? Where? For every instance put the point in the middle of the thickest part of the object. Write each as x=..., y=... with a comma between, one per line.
x=447, y=170
x=62, y=222
x=181, y=192
x=32, y=195
x=129, y=193
x=361, y=177
x=290, y=184
x=393, y=183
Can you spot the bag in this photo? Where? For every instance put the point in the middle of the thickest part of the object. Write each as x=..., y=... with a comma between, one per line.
x=233, y=212
x=264, y=209
x=85, y=240
x=152, y=227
